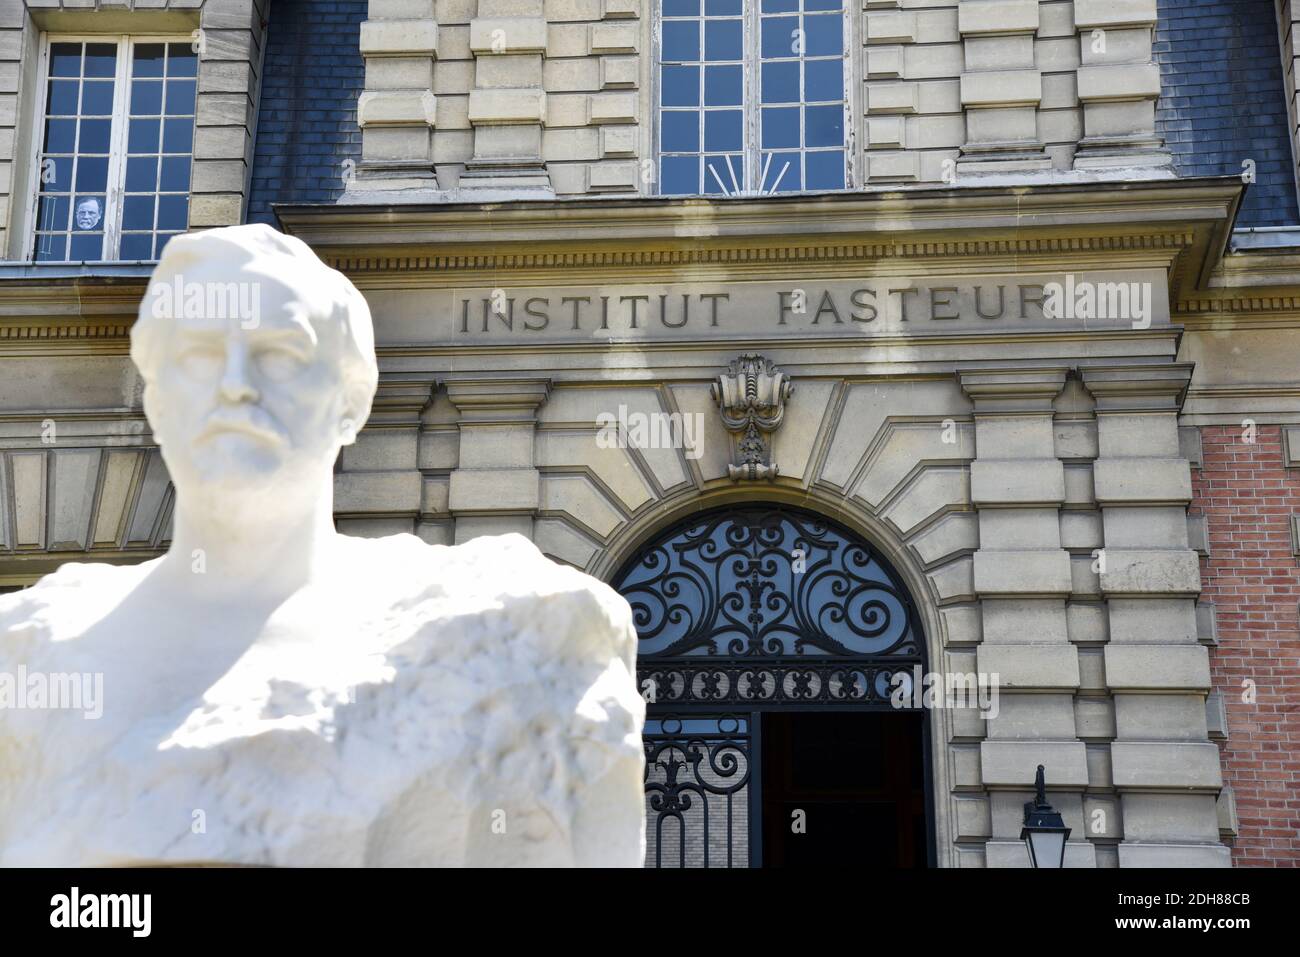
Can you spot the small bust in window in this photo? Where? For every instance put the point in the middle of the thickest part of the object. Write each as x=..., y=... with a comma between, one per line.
x=275, y=693
x=89, y=213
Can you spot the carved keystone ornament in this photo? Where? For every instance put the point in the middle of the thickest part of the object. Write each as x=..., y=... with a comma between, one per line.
x=751, y=396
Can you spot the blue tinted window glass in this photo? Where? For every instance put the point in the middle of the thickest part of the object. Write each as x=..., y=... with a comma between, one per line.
x=823, y=126
x=722, y=130
x=180, y=97
x=729, y=171
x=178, y=135
x=51, y=248
x=148, y=59
x=681, y=8
x=94, y=136
x=56, y=174
x=823, y=35
x=680, y=175
x=823, y=80
x=182, y=60
x=137, y=212
x=780, y=37
x=681, y=86
x=52, y=212
x=722, y=40
x=780, y=6
x=65, y=59
x=146, y=97
x=92, y=174
x=62, y=100
x=142, y=136
x=781, y=127
x=97, y=98
x=681, y=132
x=780, y=82
x=175, y=174
x=826, y=170
x=782, y=172
x=141, y=174
x=60, y=136
x=823, y=4
x=101, y=59
x=724, y=85
x=136, y=246
x=724, y=8
x=681, y=41
x=173, y=212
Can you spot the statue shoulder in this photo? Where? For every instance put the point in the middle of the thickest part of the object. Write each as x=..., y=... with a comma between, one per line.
x=76, y=591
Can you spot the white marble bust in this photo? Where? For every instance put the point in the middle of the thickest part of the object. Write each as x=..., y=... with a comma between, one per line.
x=275, y=693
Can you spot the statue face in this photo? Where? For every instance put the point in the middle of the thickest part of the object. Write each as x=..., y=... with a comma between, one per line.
x=245, y=399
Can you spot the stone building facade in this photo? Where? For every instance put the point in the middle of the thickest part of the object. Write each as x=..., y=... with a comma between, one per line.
x=1028, y=268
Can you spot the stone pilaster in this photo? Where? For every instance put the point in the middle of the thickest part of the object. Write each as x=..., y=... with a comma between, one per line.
x=398, y=110
x=1165, y=768
x=496, y=487
x=1022, y=576
x=507, y=106
x=1118, y=84
x=1001, y=87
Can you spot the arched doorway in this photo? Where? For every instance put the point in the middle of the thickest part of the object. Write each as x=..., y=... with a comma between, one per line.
x=770, y=639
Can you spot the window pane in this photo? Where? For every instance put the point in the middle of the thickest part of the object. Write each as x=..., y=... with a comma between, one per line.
x=729, y=171
x=92, y=174
x=823, y=80
x=88, y=214
x=51, y=247
x=87, y=247
x=56, y=174
x=681, y=86
x=101, y=59
x=781, y=127
x=146, y=97
x=681, y=132
x=780, y=6
x=680, y=175
x=723, y=85
x=681, y=41
x=723, y=130
x=681, y=8
x=823, y=4
x=148, y=59
x=826, y=170
x=724, y=8
x=823, y=126
x=52, y=212
x=173, y=212
x=780, y=82
x=60, y=136
x=178, y=135
x=175, y=174
x=180, y=97
x=137, y=212
x=141, y=174
x=65, y=59
x=722, y=40
x=782, y=172
x=182, y=60
x=97, y=98
x=824, y=35
x=94, y=136
x=136, y=246
x=142, y=136
x=780, y=37
x=62, y=98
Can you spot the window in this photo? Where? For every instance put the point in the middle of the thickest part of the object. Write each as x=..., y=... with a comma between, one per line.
x=115, y=150
x=752, y=96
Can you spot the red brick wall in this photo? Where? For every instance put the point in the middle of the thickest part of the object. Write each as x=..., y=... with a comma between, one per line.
x=1253, y=579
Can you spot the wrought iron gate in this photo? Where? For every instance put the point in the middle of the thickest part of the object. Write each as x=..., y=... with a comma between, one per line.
x=744, y=610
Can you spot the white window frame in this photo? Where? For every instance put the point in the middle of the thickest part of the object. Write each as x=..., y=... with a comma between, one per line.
x=750, y=104
x=116, y=187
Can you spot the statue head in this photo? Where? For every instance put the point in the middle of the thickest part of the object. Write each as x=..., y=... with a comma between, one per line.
x=258, y=361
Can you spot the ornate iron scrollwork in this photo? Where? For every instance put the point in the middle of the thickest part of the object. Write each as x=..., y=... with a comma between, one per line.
x=751, y=396
x=768, y=606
